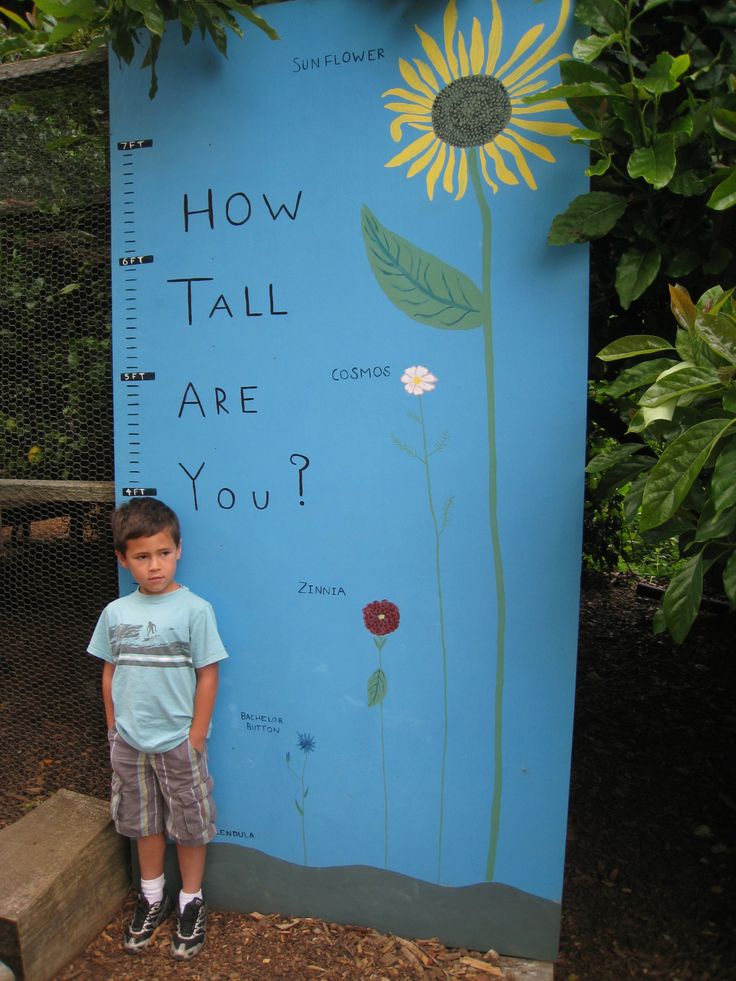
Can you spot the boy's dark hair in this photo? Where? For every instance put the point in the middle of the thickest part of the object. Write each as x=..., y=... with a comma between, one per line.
x=141, y=518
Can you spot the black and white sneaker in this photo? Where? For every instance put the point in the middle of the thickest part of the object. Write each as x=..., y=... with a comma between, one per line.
x=147, y=918
x=191, y=930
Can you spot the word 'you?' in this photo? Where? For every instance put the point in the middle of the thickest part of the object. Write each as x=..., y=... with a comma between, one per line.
x=226, y=498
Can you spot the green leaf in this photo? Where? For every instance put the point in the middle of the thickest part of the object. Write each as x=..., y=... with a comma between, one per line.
x=11, y=15
x=723, y=481
x=724, y=121
x=651, y=4
x=604, y=16
x=636, y=271
x=575, y=72
x=638, y=375
x=715, y=524
x=729, y=578
x=656, y=163
x=152, y=15
x=683, y=262
x=719, y=333
x=633, y=346
x=298, y=806
x=589, y=48
x=662, y=76
x=679, y=381
x=724, y=195
x=674, y=473
x=608, y=458
x=377, y=688
x=599, y=168
x=580, y=135
x=683, y=309
x=587, y=217
x=419, y=284
x=688, y=184
x=681, y=602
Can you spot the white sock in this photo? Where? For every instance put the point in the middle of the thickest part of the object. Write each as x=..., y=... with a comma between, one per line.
x=153, y=889
x=187, y=897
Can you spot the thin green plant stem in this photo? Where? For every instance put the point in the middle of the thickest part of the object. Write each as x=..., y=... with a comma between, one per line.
x=485, y=214
x=379, y=647
x=304, y=831
x=438, y=572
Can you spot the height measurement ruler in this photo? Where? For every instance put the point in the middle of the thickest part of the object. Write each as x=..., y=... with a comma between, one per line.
x=134, y=376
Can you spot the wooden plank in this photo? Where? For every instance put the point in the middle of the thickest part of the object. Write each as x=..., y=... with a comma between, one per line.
x=20, y=492
x=65, y=873
x=523, y=970
x=50, y=63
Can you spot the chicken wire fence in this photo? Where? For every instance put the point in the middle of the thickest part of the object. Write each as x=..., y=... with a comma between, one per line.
x=56, y=469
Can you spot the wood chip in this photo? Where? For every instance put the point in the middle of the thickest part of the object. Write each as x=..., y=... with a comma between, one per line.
x=484, y=966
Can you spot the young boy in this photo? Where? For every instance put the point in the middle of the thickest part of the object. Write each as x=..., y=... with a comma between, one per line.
x=160, y=646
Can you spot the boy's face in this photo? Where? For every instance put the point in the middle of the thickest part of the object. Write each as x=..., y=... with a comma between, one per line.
x=152, y=562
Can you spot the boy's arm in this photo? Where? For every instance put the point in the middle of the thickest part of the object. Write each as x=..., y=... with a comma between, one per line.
x=204, y=703
x=107, y=672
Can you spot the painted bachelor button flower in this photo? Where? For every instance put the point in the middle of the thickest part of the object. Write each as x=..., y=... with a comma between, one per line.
x=381, y=617
x=417, y=380
x=462, y=100
x=305, y=742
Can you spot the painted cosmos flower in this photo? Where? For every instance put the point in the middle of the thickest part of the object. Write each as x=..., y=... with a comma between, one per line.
x=306, y=742
x=381, y=617
x=461, y=99
x=417, y=380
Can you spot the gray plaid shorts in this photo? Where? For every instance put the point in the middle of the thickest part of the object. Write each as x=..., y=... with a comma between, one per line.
x=154, y=793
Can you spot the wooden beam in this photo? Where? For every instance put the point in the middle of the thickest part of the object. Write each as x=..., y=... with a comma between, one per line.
x=51, y=63
x=65, y=873
x=17, y=493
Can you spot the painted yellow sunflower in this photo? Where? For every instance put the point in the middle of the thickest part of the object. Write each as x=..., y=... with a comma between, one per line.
x=461, y=99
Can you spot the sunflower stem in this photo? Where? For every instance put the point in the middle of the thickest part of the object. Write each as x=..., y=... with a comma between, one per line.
x=485, y=214
x=438, y=572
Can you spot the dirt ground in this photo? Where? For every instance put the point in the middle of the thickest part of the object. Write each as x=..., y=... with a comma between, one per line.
x=650, y=876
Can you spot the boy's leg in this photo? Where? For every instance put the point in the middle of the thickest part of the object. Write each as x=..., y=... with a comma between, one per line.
x=191, y=866
x=151, y=850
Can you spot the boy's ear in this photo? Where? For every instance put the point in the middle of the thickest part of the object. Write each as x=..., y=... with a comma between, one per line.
x=178, y=551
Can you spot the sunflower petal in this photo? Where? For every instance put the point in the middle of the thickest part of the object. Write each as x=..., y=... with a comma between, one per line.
x=408, y=107
x=400, y=121
x=421, y=162
x=550, y=129
x=427, y=74
x=421, y=100
x=476, y=47
x=539, y=71
x=502, y=171
x=543, y=48
x=411, y=77
x=462, y=175
x=449, y=170
x=434, y=171
x=503, y=143
x=486, y=176
x=462, y=55
x=411, y=150
x=521, y=88
x=539, y=107
x=435, y=56
x=449, y=23
x=524, y=44
x=538, y=149
x=495, y=38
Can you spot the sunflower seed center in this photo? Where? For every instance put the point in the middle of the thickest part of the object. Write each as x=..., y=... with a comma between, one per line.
x=471, y=111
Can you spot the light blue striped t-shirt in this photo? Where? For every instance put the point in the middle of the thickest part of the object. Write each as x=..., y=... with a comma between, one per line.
x=156, y=644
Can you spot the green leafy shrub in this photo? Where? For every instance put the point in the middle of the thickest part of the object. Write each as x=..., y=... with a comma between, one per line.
x=679, y=477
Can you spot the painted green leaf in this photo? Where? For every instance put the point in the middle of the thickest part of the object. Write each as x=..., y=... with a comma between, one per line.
x=674, y=384
x=377, y=688
x=418, y=283
x=723, y=481
x=715, y=524
x=724, y=195
x=682, y=600
x=656, y=163
x=729, y=579
x=299, y=808
x=674, y=473
x=724, y=121
x=636, y=271
x=588, y=216
x=633, y=346
x=589, y=48
x=719, y=333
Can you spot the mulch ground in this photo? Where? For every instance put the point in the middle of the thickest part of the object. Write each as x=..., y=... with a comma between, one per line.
x=650, y=872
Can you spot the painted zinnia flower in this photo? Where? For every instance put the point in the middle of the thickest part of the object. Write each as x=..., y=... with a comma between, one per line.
x=417, y=380
x=462, y=100
x=381, y=617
